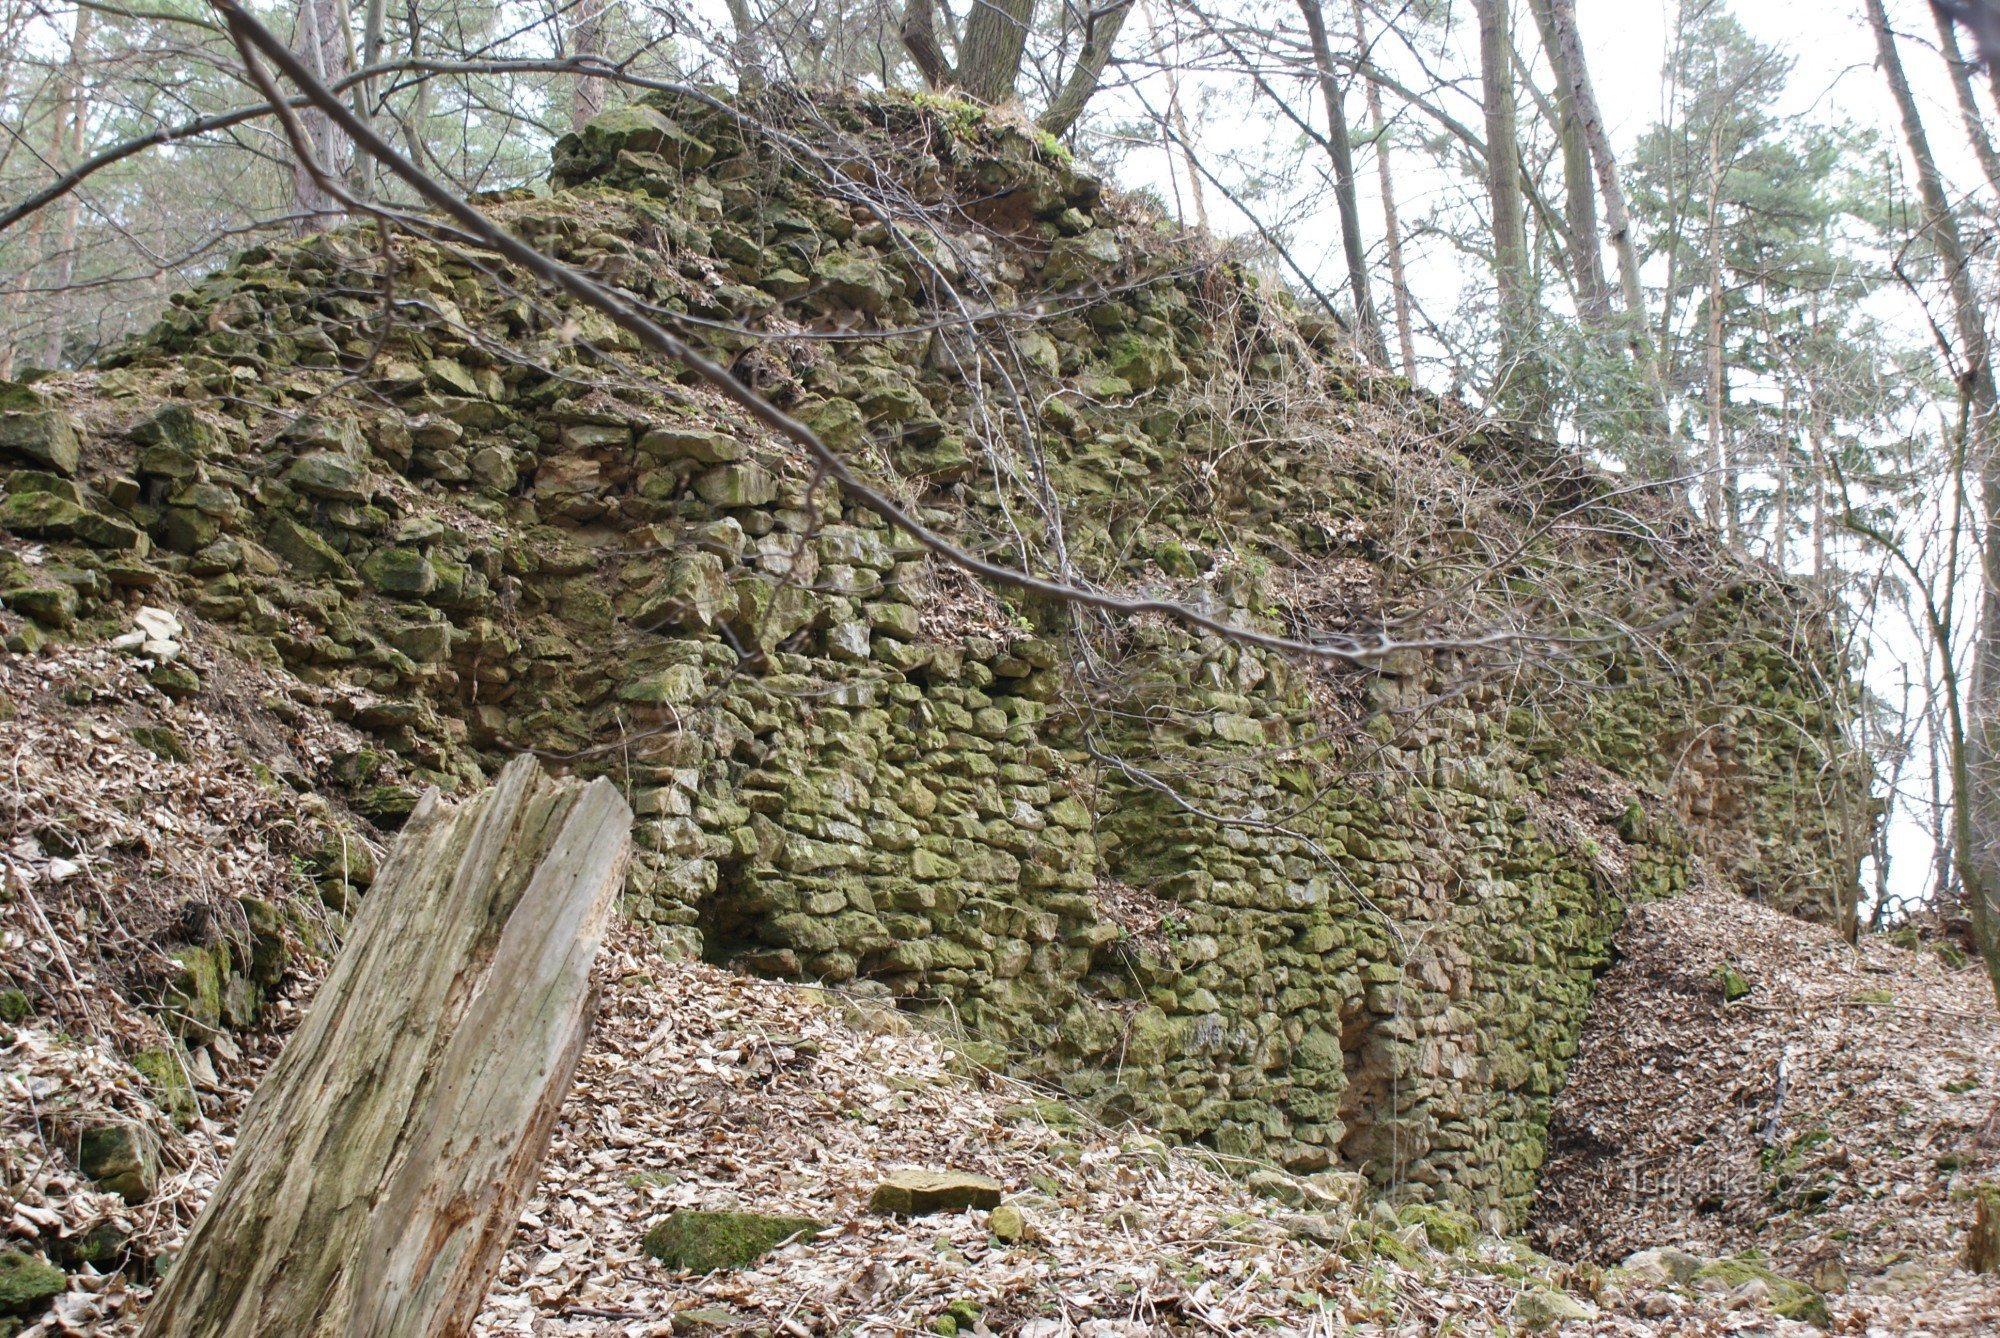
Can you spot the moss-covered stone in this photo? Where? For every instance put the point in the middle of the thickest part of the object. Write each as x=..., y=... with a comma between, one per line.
x=165, y=1072
x=402, y=573
x=1788, y=1296
x=47, y=602
x=122, y=1157
x=1539, y=1309
x=27, y=1284
x=337, y=478
x=701, y=1242
x=33, y=430
x=308, y=554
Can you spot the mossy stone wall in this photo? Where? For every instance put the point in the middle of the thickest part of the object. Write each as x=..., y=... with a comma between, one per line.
x=1321, y=914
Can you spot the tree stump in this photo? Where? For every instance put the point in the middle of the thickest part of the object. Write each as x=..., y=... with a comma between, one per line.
x=382, y=1164
x=1982, y=1243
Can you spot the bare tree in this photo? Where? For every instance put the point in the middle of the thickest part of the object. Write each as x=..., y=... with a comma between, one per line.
x=1340, y=150
x=1100, y=31
x=1392, y=230
x=321, y=38
x=1974, y=713
x=1503, y=180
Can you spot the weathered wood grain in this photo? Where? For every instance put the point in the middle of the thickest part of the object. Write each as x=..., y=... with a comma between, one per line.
x=383, y=1162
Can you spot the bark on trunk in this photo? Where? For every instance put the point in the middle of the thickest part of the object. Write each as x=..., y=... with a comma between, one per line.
x=586, y=38
x=1976, y=742
x=320, y=37
x=1718, y=467
x=748, y=49
x=1968, y=104
x=919, y=34
x=384, y=1159
x=989, y=57
x=1100, y=31
x=72, y=119
x=373, y=19
x=1392, y=229
x=1340, y=150
x=1585, y=242
x=1503, y=180
x=1575, y=73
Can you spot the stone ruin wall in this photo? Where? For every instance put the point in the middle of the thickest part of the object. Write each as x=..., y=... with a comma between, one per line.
x=1325, y=917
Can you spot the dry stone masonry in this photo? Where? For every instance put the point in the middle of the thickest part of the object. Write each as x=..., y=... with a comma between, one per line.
x=1323, y=914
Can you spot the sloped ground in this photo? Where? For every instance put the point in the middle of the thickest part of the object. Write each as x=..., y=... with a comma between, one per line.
x=709, y=1090
x=1827, y=1116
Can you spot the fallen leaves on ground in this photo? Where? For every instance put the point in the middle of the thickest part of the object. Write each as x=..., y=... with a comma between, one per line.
x=1825, y=1116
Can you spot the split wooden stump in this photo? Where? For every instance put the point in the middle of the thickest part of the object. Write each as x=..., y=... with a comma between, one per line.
x=382, y=1164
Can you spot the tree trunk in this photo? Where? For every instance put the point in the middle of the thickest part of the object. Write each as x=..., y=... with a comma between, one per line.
x=1503, y=181
x=1575, y=73
x=1585, y=242
x=1392, y=230
x=373, y=19
x=586, y=39
x=384, y=1159
x=1717, y=466
x=1976, y=733
x=989, y=56
x=1968, y=104
x=320, y=37
x=71, y=130
x=1100, y=31
x=919, y=34
x=748, y=50
x=1340, y=149
x=1982, y=1242
x=1174, y=136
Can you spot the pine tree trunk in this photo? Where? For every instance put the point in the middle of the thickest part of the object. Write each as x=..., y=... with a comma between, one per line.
x=384, y=1159
x=919, y=34
x=747, y=51
x=1718, y=469
x=72, y=129
x=1976, y=726
x=372, y=24
x=1575, y=74
x=1968, y=104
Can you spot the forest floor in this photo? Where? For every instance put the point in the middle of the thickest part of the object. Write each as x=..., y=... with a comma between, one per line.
x=703, y=1089
x=1749, y=1082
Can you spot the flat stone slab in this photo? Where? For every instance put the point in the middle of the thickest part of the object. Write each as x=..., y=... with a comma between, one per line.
x=914, y=1193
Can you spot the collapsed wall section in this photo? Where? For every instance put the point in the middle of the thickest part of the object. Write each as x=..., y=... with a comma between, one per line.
x=1324, y=912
